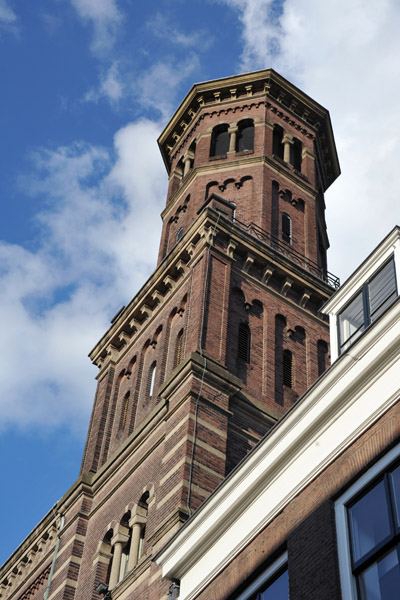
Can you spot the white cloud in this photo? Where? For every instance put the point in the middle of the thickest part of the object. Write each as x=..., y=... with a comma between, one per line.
x=159, y=84
x=345, y=55
x=161, y=27
x=105, y=17
x=8, y=18
x=98, y=219
x=111, y=86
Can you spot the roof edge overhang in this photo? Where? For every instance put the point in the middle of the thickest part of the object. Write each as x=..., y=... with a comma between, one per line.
x=267, y=82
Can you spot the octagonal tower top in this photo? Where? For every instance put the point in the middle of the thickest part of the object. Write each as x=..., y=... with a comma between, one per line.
x=266, y=83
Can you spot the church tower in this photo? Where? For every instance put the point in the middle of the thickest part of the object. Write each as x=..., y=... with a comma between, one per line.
x=221, y=340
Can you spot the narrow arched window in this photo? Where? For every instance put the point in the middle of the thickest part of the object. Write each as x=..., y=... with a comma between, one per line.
x=125, y=407
x=179, y=234
x=245, y=136
x=178, y=349
x=322, y=349
x=277, y=143
x=295, y=154
x=151, y=380
x=244, y=342
x=144, y=508
x=179, y=167
x=219, y=140
x=287, y=365
x=286, y=228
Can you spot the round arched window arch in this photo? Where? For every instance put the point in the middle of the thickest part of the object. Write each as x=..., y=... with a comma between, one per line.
x=245, y=136
x=219, y=140
x=286, y=228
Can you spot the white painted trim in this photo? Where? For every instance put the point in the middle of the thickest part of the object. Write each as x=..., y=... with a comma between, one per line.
x=383, y=251
x=344, y=403
x=347, y=581
x=263, y=578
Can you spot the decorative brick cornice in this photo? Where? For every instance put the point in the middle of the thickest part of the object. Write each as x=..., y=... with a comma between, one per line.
x=223, y=95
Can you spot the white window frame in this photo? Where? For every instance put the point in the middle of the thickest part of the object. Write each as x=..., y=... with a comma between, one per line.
x=347, y=580
x=265, y=575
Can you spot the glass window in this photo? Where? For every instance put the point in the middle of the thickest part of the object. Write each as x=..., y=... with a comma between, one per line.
x=373, y=299
x=367, y=532
x=277, y=590
x=245, y=136
x=351, y=323
x=382, y=290
x=381, y=581
x=277, y=145
x=374, y=539
x=219, y=140
x=271, y=584
x=395, y=485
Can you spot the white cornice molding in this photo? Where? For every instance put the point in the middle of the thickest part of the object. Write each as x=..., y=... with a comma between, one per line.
x=346, y=401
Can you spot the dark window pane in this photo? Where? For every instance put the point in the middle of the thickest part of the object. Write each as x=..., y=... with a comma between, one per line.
x=286, y=228
x=245, y=137
x=244, y=342
x=295, y=155
x=395, y=483
x=351, y=322
x=381, y=581
x=369, y=521
x=287, y=366
x=382, y=290
x=219, y=141
x=277, y=146
x=278, y=590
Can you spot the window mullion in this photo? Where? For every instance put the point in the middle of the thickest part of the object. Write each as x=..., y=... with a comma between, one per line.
x=366, y=306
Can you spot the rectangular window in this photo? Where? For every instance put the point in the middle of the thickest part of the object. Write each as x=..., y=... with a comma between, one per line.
x=272, y=584
x=373, y=299
x=368, y=533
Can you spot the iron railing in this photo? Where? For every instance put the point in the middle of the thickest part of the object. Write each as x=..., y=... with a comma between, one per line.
x=292, y=254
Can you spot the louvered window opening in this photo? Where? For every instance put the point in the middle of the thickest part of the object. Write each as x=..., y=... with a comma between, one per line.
x=178, y=351
x=125, y=410
x=244, y=343
x=287, y=368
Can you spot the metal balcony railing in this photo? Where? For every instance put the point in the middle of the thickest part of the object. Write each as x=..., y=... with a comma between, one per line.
x=292, y=254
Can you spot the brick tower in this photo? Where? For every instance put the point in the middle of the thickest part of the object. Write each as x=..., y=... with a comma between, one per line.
x=219, y=342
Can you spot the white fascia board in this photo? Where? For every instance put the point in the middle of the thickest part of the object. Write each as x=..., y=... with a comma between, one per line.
x=386, y=248
x=352, y=395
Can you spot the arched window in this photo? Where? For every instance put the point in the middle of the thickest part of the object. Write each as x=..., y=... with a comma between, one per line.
x=322, y=349
x=142, y=511
x=287, y=366
x=151, y=379
x=286, y=228
x=219, y=140
x=244, y=342
x=178, y=349
x=179, y=167
x=125, y=408
x=179, y=235
x=295, y=154
x=245, y=136
x=277, y=143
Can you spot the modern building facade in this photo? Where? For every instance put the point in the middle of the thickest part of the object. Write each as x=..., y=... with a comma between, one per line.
x=206, y=387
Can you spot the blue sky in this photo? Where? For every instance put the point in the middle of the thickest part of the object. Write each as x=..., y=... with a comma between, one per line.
x=87, y=86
